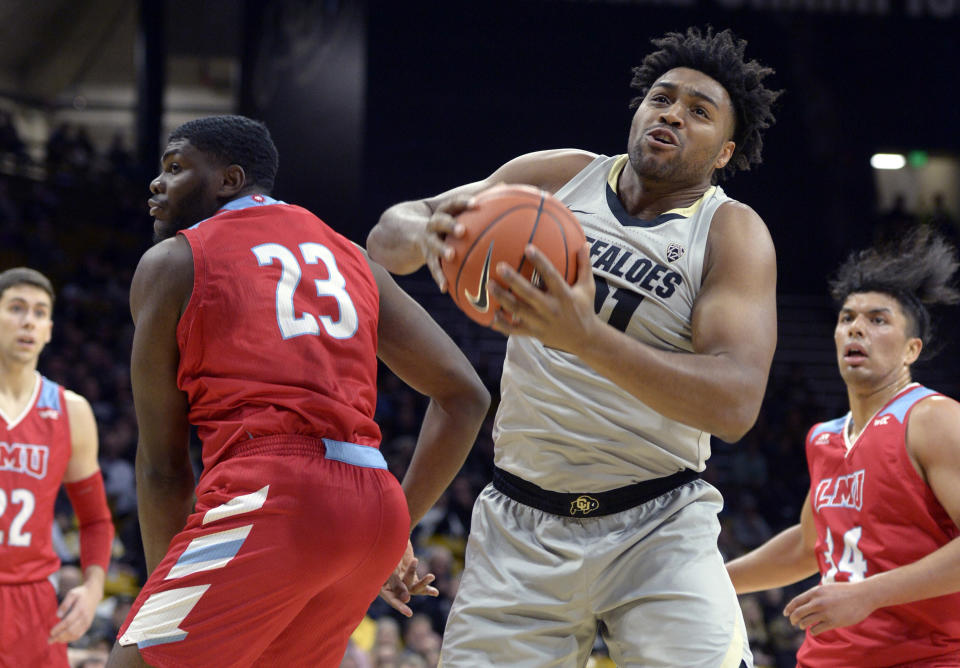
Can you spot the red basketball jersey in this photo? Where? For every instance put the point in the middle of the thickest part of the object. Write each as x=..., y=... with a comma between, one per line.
x=34, y=452
x=873, y=513
x=280, y=334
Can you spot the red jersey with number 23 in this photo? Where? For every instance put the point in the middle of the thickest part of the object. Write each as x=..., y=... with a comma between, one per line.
x=34, y=453
x=873, y=513
x=280, y=333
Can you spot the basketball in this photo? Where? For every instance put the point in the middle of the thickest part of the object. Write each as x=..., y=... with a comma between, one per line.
x=506, y=219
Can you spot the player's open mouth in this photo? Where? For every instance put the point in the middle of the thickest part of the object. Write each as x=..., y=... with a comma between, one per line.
x=854, y=353
x=662, y=136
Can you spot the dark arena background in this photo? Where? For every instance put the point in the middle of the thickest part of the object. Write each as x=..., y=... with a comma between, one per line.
x=373, y=103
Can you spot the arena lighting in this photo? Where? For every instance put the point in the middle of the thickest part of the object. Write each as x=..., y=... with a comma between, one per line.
x=887, y=161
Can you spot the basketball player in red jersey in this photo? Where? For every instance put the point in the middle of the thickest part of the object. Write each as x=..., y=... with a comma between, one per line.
x=881, y=519
x=48, y=436
x=262, y=326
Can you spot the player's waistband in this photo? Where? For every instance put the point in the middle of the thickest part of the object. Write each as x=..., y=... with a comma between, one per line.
x=297, y=444
x=592, y=504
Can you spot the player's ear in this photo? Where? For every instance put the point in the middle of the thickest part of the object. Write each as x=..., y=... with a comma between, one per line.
x=234, y=180
x=914, y=346
x=726, y=152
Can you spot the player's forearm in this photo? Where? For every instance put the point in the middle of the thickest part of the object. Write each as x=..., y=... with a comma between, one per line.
x=713, y=393
x=936, y=574
x=164, y=501
x=449, y=431
x=94, y=578
x=393, y=240
x=780, y=561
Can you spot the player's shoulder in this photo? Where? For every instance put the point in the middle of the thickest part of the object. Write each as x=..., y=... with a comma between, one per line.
x=935, y=414
x=548, y=169
x=76, y=403
x=165, y=271
x=823, y=432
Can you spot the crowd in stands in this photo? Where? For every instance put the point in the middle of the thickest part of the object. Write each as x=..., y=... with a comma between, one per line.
x=84, y=223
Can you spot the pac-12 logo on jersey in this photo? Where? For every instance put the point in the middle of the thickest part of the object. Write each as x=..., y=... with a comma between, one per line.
x=845, y=491
x=49, y=414
x=24, y=458
x=881, y=421
x=675, y=251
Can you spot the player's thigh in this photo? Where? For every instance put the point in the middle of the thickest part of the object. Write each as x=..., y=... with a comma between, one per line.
x=27, y=613
x=522, y=599
x=267, y=551
x=669, y=602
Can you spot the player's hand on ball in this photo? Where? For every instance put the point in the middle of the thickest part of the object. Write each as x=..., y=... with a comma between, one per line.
x=405, y=582
x=439, y=226
x=560, y=315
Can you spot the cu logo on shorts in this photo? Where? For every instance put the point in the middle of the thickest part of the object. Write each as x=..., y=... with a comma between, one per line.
x=584, y=505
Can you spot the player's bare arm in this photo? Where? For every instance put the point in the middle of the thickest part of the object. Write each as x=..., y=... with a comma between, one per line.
x=160, y=289
x=414, y=347
x=77, y=609
x=786, y=558
x=719, y=388
x=933, y=441
x=410, y=234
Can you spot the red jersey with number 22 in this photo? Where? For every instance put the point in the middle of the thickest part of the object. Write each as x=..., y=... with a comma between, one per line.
x=280, y=333
x=873, y=513
x=34, y=453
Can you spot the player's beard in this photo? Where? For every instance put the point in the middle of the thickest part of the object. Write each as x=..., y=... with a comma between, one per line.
x=191, y=210
x=682, y=168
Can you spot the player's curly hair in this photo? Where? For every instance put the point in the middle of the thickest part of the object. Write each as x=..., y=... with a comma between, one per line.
x=235, y=140
x=916, y=271
x=25, y=276
x=719, y=56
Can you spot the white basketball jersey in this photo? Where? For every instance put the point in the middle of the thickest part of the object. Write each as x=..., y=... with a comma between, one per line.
x=563, y=426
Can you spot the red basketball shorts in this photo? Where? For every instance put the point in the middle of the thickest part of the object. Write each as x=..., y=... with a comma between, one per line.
x=290, y=541
x=27, y=613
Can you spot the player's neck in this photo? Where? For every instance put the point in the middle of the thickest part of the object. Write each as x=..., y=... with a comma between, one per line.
x=865, y=402
x=17, y=378
x=646, y=199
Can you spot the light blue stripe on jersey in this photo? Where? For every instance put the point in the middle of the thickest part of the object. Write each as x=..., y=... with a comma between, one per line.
x=226, y=550
x=161, y=641
x=834, y=427
x=899, y=408
x=353, y=453
x=244, y=203
x=49, y=395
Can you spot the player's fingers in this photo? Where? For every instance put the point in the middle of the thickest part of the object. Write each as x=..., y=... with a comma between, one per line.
x=433, y=264
x=455, y=206
x=584, y=270
x=797, y=601
x=548, y=273
x=523, y=289
x=396, y=603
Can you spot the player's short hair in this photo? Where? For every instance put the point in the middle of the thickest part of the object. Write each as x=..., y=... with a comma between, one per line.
x=25, y=276
x=719, y=56
x=235, y=140
x=916, y=271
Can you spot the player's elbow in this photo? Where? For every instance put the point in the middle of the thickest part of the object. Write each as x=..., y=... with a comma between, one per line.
x=386, y=249
x=734, y=421
x=475, y=398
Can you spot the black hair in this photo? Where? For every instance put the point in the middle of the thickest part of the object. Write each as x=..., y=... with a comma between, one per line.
x=235, y=140
x=719, y=56
x=916, y=271
x=25, y=276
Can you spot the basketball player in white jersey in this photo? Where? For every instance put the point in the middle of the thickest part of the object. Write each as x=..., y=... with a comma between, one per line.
x=611, y=388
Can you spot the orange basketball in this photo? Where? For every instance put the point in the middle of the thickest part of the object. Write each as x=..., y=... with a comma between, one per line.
x=508, y=218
